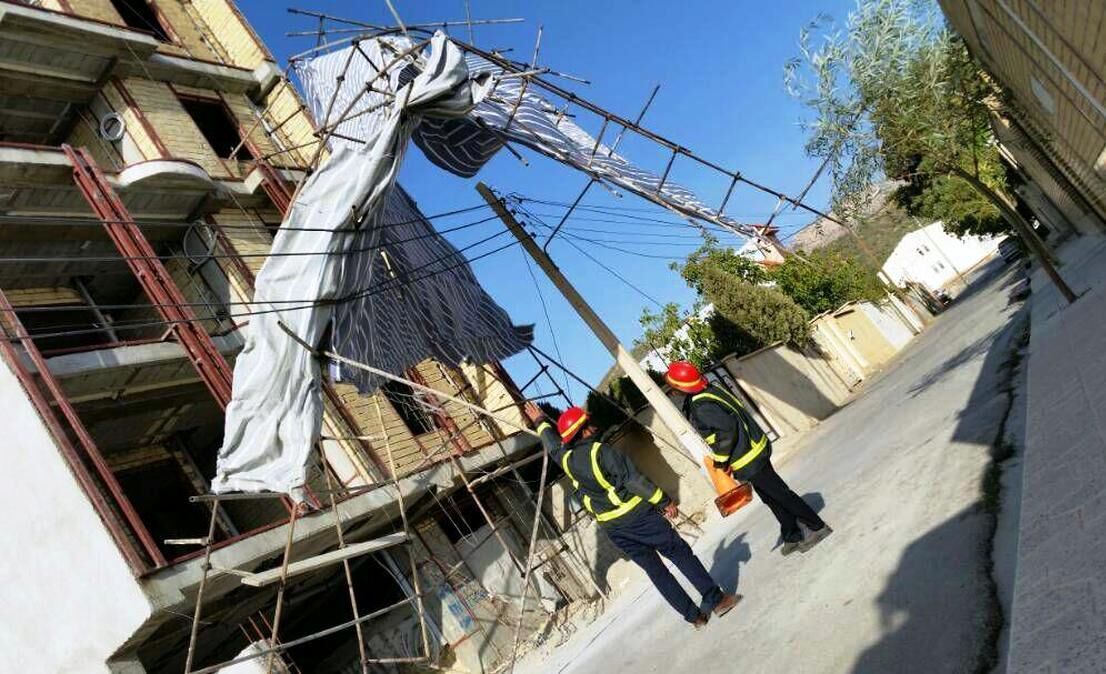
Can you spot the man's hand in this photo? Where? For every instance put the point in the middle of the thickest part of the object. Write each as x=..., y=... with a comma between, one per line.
x=671, y=511
x=533, y=413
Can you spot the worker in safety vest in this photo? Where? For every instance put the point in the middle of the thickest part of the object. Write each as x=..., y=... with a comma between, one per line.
x=739, y=445
x=631, y=510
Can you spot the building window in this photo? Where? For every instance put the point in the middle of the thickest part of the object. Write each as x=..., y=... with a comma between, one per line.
x=459, y=516
x=140, y=14
x=218, y=127
x=408, y=407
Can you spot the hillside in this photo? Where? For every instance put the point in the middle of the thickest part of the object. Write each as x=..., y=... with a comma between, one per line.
x=881, y=227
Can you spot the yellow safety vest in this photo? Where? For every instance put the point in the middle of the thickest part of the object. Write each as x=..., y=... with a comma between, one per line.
x=620, y=507
x=755, y=447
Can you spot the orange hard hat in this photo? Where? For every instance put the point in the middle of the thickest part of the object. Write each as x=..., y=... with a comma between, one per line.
x=570, y=422
x=683, y=376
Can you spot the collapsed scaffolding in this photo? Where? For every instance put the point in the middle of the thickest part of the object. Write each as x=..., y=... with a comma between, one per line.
x=175, y=314
x=530, y=75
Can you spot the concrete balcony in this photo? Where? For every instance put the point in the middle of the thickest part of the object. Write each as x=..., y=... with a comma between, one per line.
x=51, y=62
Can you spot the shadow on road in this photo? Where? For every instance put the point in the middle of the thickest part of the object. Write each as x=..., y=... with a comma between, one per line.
x=728, y=558
x=934, y=609
x=938, y=611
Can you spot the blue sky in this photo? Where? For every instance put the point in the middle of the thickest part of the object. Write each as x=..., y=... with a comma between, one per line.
x=720, y=68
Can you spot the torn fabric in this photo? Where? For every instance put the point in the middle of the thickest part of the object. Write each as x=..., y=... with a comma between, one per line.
x=511, y=112
x=274, y=417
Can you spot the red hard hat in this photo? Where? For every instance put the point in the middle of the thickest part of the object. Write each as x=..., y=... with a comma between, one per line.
x=570, y=422
x=683, y=376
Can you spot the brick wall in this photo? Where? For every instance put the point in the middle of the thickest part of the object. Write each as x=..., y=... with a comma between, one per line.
x=235, y=37
x=40, y=297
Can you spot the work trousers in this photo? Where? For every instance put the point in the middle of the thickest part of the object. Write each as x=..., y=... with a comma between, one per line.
x=646, y=536
x=788, y=507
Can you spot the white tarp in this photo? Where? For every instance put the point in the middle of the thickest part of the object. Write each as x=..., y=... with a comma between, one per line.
x=274, y=416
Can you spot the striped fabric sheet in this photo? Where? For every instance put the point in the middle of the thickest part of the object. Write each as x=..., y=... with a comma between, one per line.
x=424, y=301
x=512, y=113
x=417, y=300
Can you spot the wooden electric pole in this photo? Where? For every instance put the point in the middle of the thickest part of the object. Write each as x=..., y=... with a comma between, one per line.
x=667, y=414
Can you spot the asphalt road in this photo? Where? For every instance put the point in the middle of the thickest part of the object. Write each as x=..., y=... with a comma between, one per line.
x=902, y=585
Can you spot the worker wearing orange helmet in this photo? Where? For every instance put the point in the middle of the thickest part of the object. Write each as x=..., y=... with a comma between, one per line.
x=739, y=445
x=631, y=510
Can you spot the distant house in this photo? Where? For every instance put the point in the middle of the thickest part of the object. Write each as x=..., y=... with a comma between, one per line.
x=935, y=259
x=764, y=249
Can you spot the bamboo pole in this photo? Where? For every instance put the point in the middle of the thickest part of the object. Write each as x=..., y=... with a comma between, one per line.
x=406, y=530
x=346, y=567
x=205, y=570
x=280, y=588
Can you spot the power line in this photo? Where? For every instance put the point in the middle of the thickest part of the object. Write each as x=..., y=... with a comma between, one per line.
x=682, y=237
x=367, y=292
x=588, y=255
x=219, y=256
x=544, y=308
x=51, y=221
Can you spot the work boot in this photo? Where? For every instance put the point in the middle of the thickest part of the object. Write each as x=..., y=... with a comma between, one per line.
x=814, y=538
x=701, y=622
x=726, y=605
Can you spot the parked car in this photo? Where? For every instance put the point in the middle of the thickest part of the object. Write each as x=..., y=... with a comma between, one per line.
x=1010, y=249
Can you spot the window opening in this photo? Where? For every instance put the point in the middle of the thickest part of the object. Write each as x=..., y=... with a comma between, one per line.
x=218, y=128
x=407, y=407
x=140, y=14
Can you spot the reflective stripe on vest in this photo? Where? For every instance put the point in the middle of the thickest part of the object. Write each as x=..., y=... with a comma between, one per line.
x=564, y=464
x=621, y=507
x=755, y=448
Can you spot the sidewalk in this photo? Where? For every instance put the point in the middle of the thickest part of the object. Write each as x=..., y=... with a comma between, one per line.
x=1058, y=622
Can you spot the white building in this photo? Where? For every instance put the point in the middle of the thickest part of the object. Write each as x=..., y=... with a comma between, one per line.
x=934, y=258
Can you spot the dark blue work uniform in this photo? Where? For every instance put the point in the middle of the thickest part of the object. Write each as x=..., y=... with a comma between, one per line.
x=628, y=507
x=738, y=444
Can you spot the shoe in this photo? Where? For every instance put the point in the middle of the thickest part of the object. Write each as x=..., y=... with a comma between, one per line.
x=790, y=547
x=814, y=538
x=726, y=605
x=701, y=622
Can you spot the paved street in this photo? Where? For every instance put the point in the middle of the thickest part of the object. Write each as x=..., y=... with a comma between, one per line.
x=902, y=584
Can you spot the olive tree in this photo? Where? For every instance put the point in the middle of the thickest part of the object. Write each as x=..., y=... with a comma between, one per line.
x=896, y=93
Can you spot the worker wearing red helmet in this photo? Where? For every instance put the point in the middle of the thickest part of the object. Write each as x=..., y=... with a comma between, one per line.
x=631, y=510
x=739, y=445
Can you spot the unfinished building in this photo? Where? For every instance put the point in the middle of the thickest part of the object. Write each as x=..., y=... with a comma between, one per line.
x=148, y=152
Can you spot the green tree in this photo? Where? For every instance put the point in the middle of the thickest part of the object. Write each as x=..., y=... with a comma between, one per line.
x=896, y=93
x=712, y=256
x=826, y=280
x=697, y=345
x=752, y=316
x=957, y=204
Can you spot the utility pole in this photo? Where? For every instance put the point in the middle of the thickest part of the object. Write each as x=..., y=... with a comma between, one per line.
x=670, y=417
